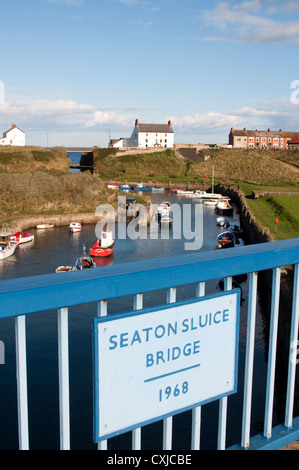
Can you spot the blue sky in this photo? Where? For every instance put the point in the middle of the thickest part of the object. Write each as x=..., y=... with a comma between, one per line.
x=74, y=70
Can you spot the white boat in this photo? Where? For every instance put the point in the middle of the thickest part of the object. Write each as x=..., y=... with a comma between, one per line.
x=184, y=192
x=113, y=186
x=165, y=218
x=211, y=202
x=164, y=205
x=222, y=222
x=206, y=196
x=75, y=227
x=223, y=207
x=22, y=237
x=7, y=246
x=44, y=226
x=158, y=190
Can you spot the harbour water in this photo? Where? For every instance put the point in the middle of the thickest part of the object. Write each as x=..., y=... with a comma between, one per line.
x=57, y=246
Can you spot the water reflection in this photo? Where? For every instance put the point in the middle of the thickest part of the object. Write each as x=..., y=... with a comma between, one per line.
x=58, y=246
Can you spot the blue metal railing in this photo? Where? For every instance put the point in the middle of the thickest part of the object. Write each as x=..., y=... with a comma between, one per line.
x=21, y=297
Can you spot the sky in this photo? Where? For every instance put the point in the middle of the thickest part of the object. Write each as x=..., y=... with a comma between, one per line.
x=76, y=72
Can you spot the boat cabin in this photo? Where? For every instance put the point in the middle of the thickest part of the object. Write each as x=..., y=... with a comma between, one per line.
x=106, y=239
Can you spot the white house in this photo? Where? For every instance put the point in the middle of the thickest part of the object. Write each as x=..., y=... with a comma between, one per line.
x=13, y=136
x=147, y=136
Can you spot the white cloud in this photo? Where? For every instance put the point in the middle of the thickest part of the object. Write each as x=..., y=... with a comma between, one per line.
x=68, y=117
x=249, y=22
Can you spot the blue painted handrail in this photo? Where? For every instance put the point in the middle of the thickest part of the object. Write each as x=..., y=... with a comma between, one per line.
x=34, y=294
x=20, y=297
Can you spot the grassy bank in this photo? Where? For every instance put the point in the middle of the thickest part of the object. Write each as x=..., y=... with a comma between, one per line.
x=139, y=167
x=41, y=192
x=24, y=159
x=269, y=209
x=259, y=167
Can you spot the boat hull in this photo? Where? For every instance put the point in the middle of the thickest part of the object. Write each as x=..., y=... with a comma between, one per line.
x=75, y=227
x=44, y=226
x=223, y=211
x=98, y=251
x=22, y=237
x=8, y=251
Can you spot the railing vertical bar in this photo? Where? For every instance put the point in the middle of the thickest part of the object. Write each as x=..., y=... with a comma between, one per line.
x=293, y=351
x=21, y=362
x=196, y=412
x=136, y=433
x=64, y=394
x=252, y=297
x=228, y=283
x=102, y=311
x=167, y=423
x=272, y=352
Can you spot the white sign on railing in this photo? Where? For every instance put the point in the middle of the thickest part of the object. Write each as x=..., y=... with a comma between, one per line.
x=153, y=363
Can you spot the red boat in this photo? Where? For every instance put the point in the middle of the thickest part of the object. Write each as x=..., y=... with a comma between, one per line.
x=22, y=237
x=104, y=246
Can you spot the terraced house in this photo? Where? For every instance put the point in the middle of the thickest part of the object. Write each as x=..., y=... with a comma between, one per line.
x=260, y=139
x=147, y=136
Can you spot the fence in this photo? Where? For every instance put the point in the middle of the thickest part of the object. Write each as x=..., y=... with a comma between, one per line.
x=22, y=297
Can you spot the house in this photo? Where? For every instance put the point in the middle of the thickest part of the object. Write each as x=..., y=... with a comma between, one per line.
x=294, y=143
x=147, y=136
x=13, y=136
x=245, y=139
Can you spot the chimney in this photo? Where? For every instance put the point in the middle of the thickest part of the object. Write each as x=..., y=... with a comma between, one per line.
x=13, y=126
x=169, y=123
x=244, y=128
x=268, y=130
x=136, y=123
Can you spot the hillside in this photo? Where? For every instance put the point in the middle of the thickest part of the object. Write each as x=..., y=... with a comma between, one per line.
x=24, y=159
x=41, y=192
x=251, y=166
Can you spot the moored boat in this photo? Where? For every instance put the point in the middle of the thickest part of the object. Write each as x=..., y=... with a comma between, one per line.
x=158, y=190
x=143, y=188
x=236, y=230
x=7, y=246
x=210, y=202
x=113, y=186
x=75, y=227
x=103, y=246
x=225, y=240
x=206, y=196
x=83, y=262
x=222, y=221
x=184, y=192
x=165, y=219
x=44, y=226
x=22, y=237
x=223, y=207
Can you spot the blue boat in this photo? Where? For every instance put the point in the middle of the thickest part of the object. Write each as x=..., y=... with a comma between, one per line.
x=141, y=188
x=158, y=190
